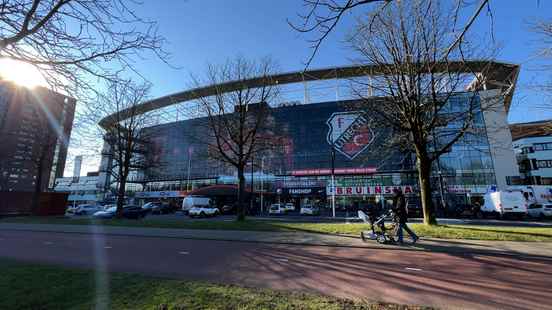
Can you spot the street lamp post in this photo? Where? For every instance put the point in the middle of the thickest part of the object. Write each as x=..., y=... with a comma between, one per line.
x=251, y=196
x=189, y=168
x=262, y=184
x=333, y=181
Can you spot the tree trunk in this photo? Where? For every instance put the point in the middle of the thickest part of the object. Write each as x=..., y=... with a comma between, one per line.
x=120, y=197
x=241, y=193
x=424, y=175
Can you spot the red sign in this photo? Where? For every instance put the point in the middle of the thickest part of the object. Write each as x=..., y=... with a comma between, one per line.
x=367, y=190
x=339, y=171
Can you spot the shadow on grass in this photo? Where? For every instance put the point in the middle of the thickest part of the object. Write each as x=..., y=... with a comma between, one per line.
x=498, y=231
x=343, y=230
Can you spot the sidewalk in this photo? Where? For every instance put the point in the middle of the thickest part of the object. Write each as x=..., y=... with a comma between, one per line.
x=542, y=249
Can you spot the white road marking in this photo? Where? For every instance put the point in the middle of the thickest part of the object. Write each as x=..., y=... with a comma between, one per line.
x=184, y=253
x=107, y=247
x=413, y=269
x=282, y=259
x=48, y=242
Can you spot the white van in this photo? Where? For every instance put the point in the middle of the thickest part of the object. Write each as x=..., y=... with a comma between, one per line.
x=505, y=203
x=195, y=201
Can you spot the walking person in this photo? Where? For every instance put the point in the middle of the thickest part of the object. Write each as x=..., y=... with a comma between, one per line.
x=401, y=216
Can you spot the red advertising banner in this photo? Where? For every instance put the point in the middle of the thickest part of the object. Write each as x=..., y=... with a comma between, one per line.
x=337, y=171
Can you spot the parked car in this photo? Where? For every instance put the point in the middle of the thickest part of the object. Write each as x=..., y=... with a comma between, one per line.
x=203, y=211
x=70, y=210
x=87, y=209
x=289, y=207
x=505, y=203
x=195, y=201
x=161, y=208
x=228, y=209
x=106, y=214
x=340, y=207
x=129, y=212
x=276, y=209
x=149, y=206
x=309, y=210
x=537, y=210
x=134, y=212
x=462, y=210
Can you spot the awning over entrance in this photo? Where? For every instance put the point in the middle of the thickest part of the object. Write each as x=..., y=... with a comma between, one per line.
x=217, y=191
x=223, y=190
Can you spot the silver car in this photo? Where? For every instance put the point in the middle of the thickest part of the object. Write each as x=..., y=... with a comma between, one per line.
x=87, y=209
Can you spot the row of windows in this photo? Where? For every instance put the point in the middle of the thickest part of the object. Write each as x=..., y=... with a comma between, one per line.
x=536, y=147
x=544, y=163
x=543, y=146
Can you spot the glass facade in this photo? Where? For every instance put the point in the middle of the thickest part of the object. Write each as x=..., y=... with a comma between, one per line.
x=307, y=133
x=303, y=132
x=468, y=164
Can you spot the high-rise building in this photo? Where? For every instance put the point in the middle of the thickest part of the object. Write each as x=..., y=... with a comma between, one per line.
x=35, y=126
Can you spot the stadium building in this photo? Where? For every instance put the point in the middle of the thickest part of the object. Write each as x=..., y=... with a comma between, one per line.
x=329, y=138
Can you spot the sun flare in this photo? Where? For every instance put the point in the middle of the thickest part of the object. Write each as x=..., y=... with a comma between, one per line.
x=21, y=73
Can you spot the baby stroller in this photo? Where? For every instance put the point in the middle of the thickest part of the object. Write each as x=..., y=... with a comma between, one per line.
x=379, y=232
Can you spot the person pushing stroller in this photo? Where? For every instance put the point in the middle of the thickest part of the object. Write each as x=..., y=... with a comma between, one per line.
x=401, y=216
x=375, y=216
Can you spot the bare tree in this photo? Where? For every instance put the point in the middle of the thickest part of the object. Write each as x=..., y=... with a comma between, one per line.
x=124, y=136
x=415, y=75
x=323, y=16
x=75, y=42
x=543, y=28
x=237, y=121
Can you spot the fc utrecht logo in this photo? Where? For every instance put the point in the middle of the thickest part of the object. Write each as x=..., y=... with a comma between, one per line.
x=349, y=133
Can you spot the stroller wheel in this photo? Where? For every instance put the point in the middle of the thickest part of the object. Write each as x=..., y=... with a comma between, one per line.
x=362, y=236
x=381, y=238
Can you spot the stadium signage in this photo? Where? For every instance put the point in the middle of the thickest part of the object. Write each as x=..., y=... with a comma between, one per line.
x=367, y=190
x=310, y=191
x=300, y=183
x=349, y=133
x=338, y=171
x=163, y=194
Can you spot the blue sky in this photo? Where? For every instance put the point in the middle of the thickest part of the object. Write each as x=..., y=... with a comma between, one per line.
x=211, y=31
x=203, y=31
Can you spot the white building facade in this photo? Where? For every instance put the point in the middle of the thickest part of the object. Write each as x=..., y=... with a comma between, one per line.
x=82, y=190
x=534, y=156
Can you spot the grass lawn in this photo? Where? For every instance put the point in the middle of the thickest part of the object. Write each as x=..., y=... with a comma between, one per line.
x=26, y=286
x=504, y=233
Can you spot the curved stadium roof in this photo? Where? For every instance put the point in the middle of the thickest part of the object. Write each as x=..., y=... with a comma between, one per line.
x=492, y=75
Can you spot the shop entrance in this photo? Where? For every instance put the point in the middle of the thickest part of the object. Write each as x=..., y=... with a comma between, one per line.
x=299, y=197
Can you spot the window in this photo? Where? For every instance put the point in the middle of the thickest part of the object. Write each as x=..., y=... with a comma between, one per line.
x=543, y=146
x=544, y=163
x=527, y=150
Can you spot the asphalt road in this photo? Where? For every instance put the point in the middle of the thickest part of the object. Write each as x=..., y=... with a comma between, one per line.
x=474, y=281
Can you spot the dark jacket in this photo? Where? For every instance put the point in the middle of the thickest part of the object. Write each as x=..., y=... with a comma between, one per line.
x=399, y=207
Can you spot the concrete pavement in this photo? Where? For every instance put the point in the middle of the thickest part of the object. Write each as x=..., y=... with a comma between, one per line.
x=452, y=280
